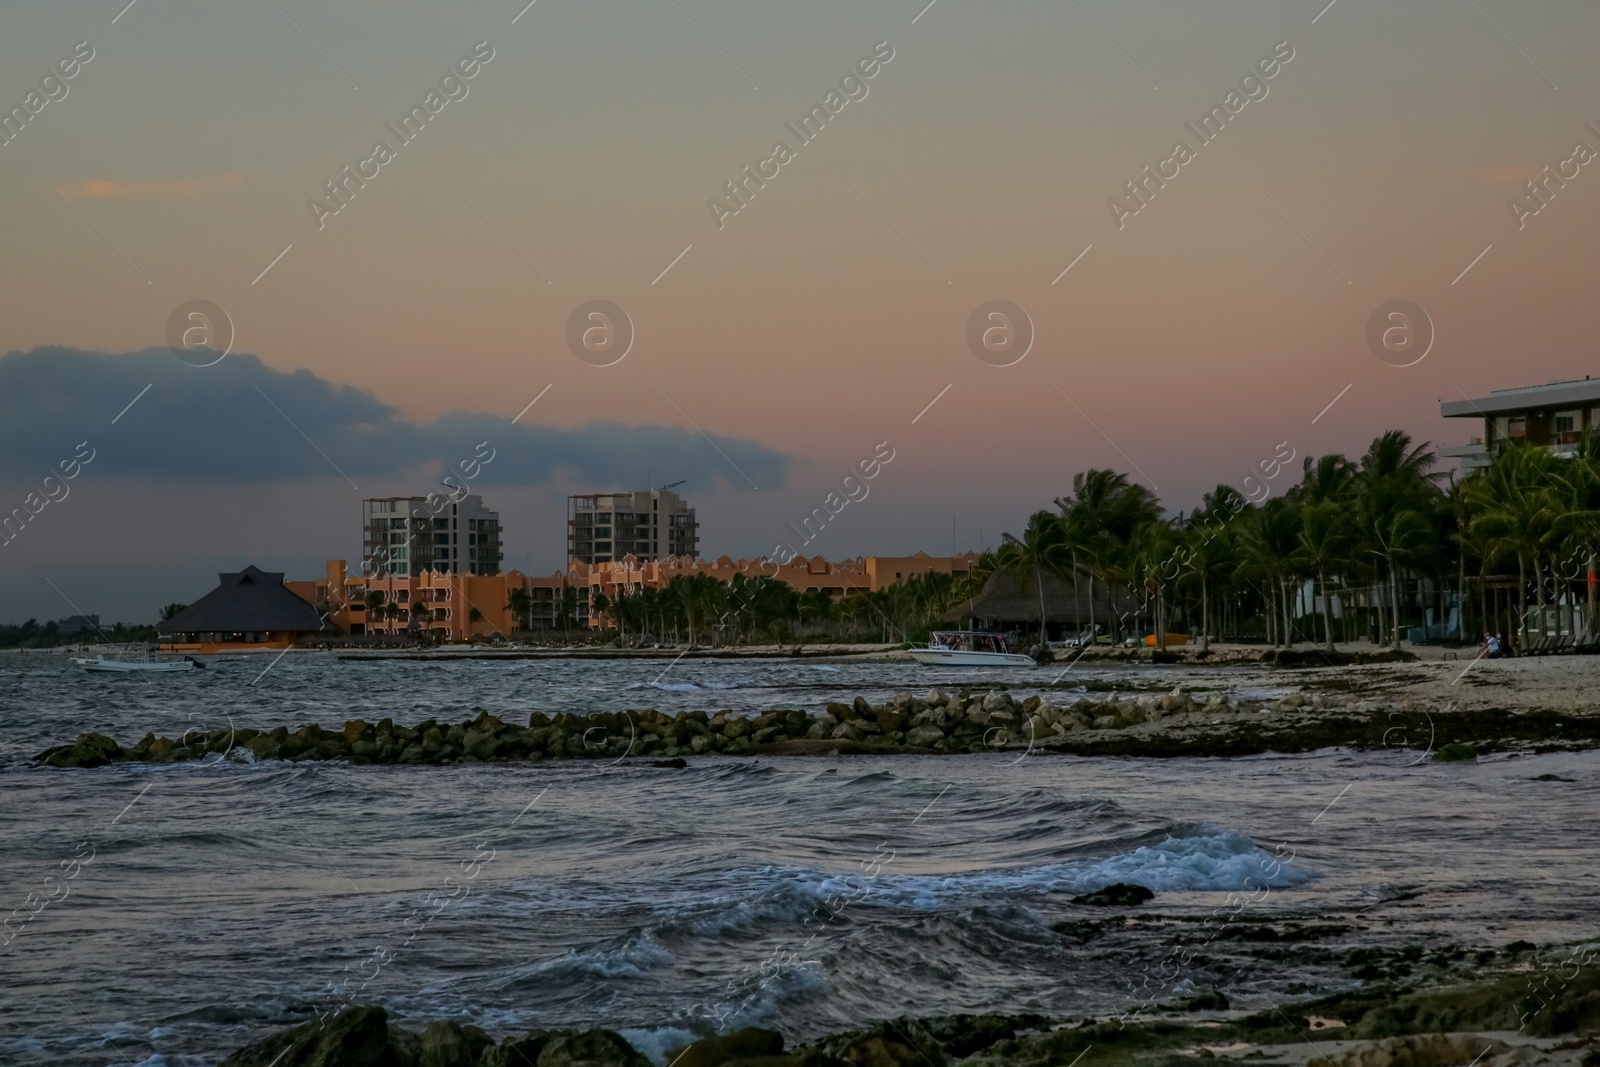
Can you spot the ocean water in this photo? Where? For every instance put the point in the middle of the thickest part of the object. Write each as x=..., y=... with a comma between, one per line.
x=180, y=911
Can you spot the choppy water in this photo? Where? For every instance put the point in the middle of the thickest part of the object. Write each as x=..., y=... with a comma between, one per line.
x=807, y=893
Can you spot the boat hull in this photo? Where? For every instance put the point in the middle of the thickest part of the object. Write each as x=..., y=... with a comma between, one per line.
x=955, y=657
x=107, y=666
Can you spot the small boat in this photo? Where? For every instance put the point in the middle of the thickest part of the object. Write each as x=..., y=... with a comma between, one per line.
x=120, y=659
x=969, y=648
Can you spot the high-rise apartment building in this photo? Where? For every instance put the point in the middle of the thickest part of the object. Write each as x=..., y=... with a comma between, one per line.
x=651, y=524
x=411, y=534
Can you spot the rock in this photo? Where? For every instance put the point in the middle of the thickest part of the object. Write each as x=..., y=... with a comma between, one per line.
x=355, y=730
x=736, y=728
x=891, y=719
x=449, y=1044
x=90, y=750
x=816, y=731
x=1001, y=715
x=743, y=1044
x=262, y=746
x=862, y=708
x=995, y=701
x=1210, y=1000
x=924, y=736
x=356, y=1037
x=699, y=744
x=841, y=711
x=1423, y=1050
x=933, y=697
x=901, y=1043
x=844, y=731
x=591, y=1048
x=1456, y=751
x=1116, y=895
x=517, y=1051
x=1031, y=705
x=675, y=763
x=962, y=1035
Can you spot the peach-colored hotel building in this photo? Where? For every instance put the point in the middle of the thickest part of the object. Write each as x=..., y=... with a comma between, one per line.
x=459, y=607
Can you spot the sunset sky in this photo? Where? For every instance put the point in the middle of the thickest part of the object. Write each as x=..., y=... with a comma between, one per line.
x=576, y=164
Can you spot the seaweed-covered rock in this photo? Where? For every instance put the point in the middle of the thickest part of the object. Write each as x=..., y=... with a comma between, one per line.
x=744, y=1044
x=590, y=1048
x=89, y=750
x=449, y=1044
x=1116, y=895
x=356, y=1037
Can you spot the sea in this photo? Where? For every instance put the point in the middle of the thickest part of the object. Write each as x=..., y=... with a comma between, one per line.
x=167, y=915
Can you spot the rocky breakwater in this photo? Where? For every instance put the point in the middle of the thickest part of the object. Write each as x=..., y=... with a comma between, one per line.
x=934, y=722
x=965, y=721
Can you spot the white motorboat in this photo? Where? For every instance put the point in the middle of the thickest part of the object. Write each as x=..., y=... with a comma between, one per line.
x=118, y=659
x=969, y=648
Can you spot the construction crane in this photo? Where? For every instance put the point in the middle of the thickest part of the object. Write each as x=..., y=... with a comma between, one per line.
x=674, y=485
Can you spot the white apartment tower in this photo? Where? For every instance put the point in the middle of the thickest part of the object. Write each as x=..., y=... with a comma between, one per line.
x=651, y=524
x=411, y=534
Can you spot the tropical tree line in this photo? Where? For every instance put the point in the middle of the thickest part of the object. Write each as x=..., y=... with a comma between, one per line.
x=1366, y=540
x=1356, y=549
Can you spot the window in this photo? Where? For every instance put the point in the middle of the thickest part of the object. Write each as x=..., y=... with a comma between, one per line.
x=1568, y=423
x=1517, y=428
x=397, y=524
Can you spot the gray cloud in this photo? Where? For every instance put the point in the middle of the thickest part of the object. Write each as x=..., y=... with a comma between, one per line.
x=217, y=424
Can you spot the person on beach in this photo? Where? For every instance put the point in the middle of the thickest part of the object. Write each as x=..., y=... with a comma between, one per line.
x=1491, y=645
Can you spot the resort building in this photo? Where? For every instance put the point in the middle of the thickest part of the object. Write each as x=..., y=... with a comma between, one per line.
x=837, y=579
x=1554, y=416
x=442, y=605
x=407, y=535
x=250, y=610
x=647, y=525
x=460, y=607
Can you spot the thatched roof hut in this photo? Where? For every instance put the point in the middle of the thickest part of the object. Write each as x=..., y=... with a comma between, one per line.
x=1009, y=603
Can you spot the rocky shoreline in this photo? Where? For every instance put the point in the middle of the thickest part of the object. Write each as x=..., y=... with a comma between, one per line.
x=1173, y=724
x=1494, y=1008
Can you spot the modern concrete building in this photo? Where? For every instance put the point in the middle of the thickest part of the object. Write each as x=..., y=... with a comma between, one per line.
x=647, y=525
x=1554, y=416
x=406, y=535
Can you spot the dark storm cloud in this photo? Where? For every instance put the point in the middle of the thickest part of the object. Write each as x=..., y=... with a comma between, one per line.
x=219, y=423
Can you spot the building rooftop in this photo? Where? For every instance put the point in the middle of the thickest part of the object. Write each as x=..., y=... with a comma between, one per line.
x=1510, y=401
x=250, y=600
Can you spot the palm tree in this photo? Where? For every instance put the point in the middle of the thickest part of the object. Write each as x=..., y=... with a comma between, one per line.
x=1040, y=549
x=1518, y=512
x=1102, y=515
x=1270, y=540
x=1401, y=538
x=1211, y=549
x=171, y=610
x=567, y=610
x=1323, y=543
x=520, y=603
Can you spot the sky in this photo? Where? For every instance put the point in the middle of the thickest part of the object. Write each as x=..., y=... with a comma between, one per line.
x=774, y=347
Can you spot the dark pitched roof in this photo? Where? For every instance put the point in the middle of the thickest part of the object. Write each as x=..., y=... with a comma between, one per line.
x=247, y=600
x=1007, y=599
